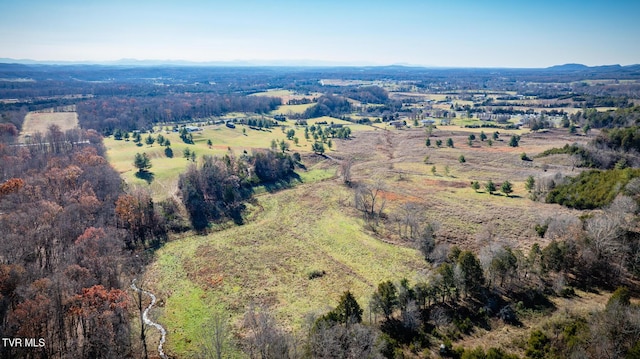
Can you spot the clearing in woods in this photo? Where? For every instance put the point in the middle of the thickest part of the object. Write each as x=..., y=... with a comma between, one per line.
x=268, y=262
x=40, y=122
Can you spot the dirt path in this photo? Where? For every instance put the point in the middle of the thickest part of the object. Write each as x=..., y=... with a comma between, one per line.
x=147, y=321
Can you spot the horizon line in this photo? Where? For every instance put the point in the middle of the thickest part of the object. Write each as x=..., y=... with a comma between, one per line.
x=273, y=63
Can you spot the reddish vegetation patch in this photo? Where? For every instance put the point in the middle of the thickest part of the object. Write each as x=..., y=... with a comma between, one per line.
x=390, y=196
x=12, y=185
x=394, y=196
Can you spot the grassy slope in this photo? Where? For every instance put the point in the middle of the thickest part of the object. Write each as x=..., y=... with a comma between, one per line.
x=166, y=170
x=397, y=156
x=293, y=232
x=267, y=262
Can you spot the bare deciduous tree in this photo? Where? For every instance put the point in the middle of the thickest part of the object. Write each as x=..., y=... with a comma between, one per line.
x=265, y=340
x=408, y=219
x=337, y=341
x=345, y=170
x=439, y=317
x=369, y=200
x=215, y=333
x=614, y=331
x=439, y=254
x=562, y=226
x=604, y=231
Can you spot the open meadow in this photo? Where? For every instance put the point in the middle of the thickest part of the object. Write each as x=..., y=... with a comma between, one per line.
x=165, y=170
x=40, y=121
x=314, y=227
x=268, y=261
x=438, y=182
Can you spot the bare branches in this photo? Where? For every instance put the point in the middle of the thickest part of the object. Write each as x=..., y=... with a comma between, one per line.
x=370, y=201
x=345, y=170
x=265, y=339
x=215, y=337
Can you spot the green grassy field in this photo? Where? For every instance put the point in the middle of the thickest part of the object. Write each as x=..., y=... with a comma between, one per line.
x=166, y=170
x=267, y=262
x=292, y=109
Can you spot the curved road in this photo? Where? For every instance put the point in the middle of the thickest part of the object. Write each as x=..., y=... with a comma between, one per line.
x=145, y=318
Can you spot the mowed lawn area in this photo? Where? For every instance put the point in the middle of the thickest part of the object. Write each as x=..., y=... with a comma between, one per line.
x=267, y=263
x=166, y=170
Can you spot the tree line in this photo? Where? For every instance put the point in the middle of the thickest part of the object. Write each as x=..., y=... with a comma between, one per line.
x=218, y=188
x=107, y=114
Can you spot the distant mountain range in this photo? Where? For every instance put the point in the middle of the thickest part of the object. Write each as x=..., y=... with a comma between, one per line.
x=234, y=63
x=581, y=67
x=289, y=63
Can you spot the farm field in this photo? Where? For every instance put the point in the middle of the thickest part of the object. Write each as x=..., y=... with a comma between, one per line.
x=166, y=170
x=287, y=95
x=40, y=122
x=292, y=109
x=267, y=262
x=314, y=227
x=397, y=157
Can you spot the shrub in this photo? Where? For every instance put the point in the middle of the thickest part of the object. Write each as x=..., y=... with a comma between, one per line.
x=541, y=229
x=621, y=296
x=506, y=188
x=475, y=185
x=464, y=326
x=508, y=315
x=538, y=345
x=567, y=292
x=592, y=189
x=316, y=273
x=490, y=187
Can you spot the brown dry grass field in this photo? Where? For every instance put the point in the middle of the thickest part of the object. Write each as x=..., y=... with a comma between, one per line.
x=397, y=157
x=467, y=218
x=40, y=122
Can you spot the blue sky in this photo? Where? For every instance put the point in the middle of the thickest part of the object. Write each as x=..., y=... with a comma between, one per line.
x=498, y=33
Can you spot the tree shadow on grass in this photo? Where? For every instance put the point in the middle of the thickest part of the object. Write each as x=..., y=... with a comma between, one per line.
x=145, y=175
x=283, y=183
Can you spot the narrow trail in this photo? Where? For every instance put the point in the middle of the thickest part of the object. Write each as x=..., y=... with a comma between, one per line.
x=147, y=321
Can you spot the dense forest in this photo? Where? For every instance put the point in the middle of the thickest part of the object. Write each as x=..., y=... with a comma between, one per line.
x=64, y=270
